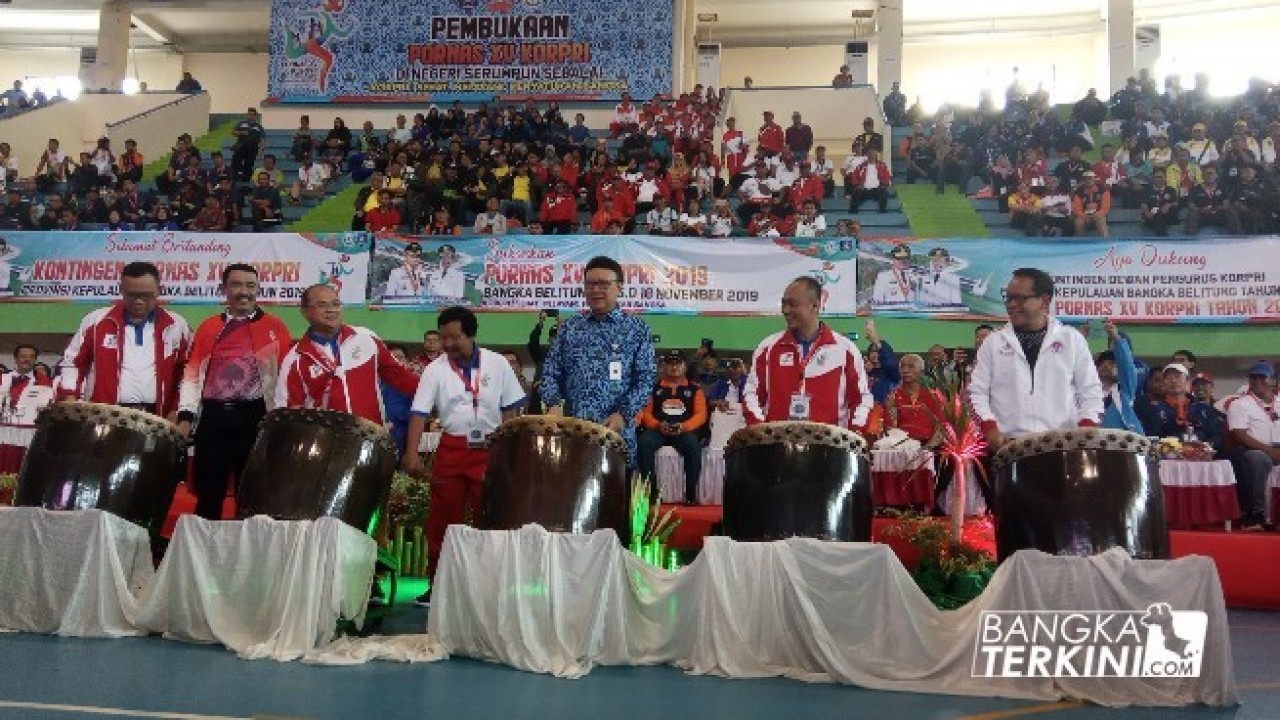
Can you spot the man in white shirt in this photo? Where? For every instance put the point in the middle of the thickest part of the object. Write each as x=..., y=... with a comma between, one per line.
x=471, y=391
x=447, y=279
x=408, y=280
x=313, y=180
x=1203, y=150
x=810, y=223
x=722, y=220
x=1253, y=420
x=401, y=133
x=491, y=221
x=940, y=287
x=661, y=219
x=1034, y=374
x=788, y=172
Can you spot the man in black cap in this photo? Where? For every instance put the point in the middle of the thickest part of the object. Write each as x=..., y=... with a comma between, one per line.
x=1253, y=420
x=674, y=417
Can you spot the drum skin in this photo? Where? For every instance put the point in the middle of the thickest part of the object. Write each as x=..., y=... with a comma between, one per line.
x=93, y=456
x=797, y=479
x=565, y=474
x=1079, y=492
x=307, y=464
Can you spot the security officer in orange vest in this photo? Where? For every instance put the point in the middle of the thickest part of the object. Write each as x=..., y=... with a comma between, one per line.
x=676, y=413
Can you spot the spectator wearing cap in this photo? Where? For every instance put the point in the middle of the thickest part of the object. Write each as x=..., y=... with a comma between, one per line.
x=869, y=181
x=1201, y=147
x=799, y=137
x=1254, y=423
x=1202, y=388
x=674, y=417
x=771, y=139
x=1178, y=414
x=1090, y=204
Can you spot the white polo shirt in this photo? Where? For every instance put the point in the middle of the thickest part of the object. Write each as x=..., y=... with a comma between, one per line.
x=138, y=366
x=441, y=390
x=1260, y=420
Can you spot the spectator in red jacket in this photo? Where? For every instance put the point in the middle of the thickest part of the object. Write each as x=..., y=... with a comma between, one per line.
x=807, y=187
x=869, y=181
x=559, y=211
x=771, y=139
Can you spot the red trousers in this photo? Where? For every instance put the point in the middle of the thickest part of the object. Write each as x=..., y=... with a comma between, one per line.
x=457, y=479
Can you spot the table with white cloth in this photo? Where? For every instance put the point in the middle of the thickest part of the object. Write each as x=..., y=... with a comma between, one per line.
x=77, y=573
x=1199, y=492
x=264, y=588
x=561, y=603
x=669, y=465
x=902, y=478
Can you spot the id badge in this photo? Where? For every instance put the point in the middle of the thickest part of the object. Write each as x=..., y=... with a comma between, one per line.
x=799, y=406
x=615, y=370
x=475, y=438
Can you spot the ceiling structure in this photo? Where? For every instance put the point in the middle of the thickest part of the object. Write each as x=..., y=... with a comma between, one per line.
x=200, y=26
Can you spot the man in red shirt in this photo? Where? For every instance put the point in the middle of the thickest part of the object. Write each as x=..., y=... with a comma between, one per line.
x=912, y=407
x=385, y=217
x=771, y=138
x=229, y=382
x=807, y=372
x=735, y=149
x=807, y=187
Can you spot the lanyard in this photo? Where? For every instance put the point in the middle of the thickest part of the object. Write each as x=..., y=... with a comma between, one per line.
x=473, y=388
x=814, y=347
x=1270, y=409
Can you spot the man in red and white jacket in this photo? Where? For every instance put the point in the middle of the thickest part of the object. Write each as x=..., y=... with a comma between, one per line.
x=625, y=114
x=771, y=139
x=807, y=372
x=869, y=181
x=23, y=394
x=132, y=353
x=336, y=366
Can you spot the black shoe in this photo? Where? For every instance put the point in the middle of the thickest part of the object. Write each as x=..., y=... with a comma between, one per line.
x=376, y=596
x=424, y=600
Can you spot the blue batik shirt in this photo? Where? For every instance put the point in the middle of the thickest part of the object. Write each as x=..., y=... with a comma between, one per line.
x=576, y=371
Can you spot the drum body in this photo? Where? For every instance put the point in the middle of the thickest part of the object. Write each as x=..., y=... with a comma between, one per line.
x=566, y=474
x=789, y=479
x=308, y=464
x=1079, y=492
x=88, y=455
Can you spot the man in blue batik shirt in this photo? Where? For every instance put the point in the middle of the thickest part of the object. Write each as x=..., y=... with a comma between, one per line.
x=601, y=365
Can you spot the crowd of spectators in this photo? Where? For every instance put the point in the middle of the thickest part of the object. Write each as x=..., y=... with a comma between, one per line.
x=1182, y=157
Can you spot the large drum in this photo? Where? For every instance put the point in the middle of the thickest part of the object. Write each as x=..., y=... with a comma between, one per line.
x=565, y=474
x=1079, y=492
x=788, y=479
x=86, y=455
x=307, y=464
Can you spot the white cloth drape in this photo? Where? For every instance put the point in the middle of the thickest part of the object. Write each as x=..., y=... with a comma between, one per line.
x=264, y=588
x=668, y=465
x=1184, y=473
x=76, y=573
x=801, y=608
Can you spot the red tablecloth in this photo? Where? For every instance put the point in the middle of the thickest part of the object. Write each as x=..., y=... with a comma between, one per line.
x=1199, y=492
x=901, y=478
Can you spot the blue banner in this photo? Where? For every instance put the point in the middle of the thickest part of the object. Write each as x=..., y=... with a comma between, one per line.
x=1155, y=280
x=469, y=50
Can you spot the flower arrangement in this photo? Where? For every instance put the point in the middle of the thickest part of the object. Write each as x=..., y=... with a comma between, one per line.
x=961, y=447
x=8, y=486
x=400, y=536
x=650, y=528
x=950, y=572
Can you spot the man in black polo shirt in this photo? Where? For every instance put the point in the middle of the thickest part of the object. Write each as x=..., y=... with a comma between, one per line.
x=676, y=413
x=248, y=133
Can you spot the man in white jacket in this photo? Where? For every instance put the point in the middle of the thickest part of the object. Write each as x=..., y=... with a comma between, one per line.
x=1034, y=374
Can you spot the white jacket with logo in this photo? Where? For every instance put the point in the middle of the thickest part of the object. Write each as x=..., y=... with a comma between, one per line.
x=1063, y=392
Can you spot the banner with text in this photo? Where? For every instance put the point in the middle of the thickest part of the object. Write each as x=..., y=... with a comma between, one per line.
x=470, y=50
x=678, y=275
x=86, y=266
x=1145, y=280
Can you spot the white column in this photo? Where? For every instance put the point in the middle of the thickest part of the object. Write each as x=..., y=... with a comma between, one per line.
x=888, y=45
x=679, y=44
x=1120, y=42
x=112, y=65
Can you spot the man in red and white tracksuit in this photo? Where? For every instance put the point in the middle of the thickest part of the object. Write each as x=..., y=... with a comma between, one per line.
x=336, y=366
x=472, y=391
x=807, y=372
x=132, y=353
x=23, y=394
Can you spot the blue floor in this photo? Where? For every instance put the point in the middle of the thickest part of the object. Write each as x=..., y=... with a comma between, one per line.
x=151, y=677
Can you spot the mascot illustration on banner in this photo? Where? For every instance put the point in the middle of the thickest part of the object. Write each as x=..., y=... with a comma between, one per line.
x=316, y=37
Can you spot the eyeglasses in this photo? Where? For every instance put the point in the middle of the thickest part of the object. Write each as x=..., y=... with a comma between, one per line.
x=598, y=284
x=1016, y=298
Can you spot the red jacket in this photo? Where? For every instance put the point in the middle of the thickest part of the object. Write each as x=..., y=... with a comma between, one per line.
x=808, y=188
x=859, y=175
x=834, y=380
x=771, y=138
x=92, y=362
x=557, y=208
x=271, y=341
x=310, y=379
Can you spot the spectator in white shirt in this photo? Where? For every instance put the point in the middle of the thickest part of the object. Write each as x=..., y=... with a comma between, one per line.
x=1203, y=150
x=401, y=133
x=753, y=191
x=491, y=221
x=810, y=223
x=1254, y=422
x=661, y=219
x=692, y=222
x=313, y=180
x=722, y=221
x=786, y=173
